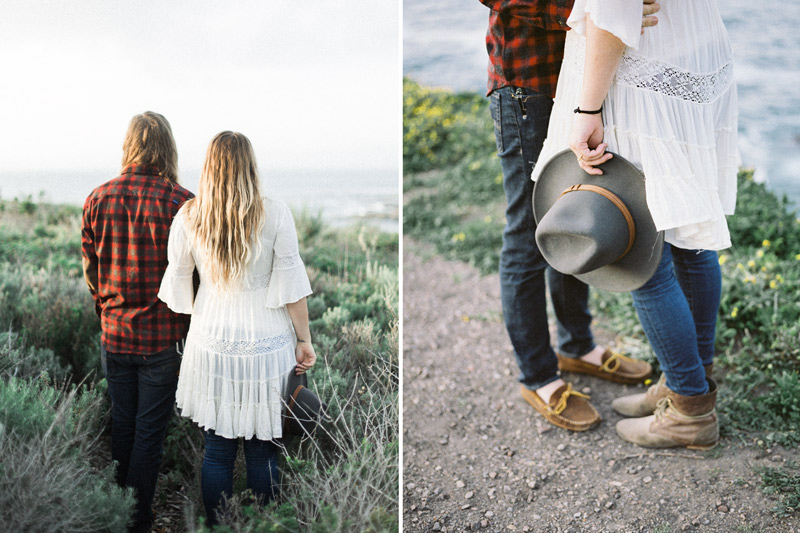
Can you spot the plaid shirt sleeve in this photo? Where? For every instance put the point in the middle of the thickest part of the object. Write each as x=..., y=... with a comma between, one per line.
x=525, y=42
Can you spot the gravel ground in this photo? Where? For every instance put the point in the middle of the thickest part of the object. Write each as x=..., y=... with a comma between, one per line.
x=476, y=457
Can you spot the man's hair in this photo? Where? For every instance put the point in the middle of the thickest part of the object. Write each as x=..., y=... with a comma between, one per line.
x=227, y=215
x=149, y=142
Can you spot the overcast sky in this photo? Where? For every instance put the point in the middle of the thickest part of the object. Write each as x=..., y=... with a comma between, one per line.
x=313, y=84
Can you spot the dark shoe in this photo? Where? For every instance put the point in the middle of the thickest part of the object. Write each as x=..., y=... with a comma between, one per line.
x=616, y=367
x=679, y=421
x=567, y=409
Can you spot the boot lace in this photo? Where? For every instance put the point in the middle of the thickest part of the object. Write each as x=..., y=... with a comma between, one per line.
x=661, y=408
x=562, y=402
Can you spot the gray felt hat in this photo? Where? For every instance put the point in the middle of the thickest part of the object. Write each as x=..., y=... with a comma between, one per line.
x=596, y=228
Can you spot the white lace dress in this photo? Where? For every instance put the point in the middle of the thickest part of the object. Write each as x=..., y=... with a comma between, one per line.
x=241, y=343
x=671, y=111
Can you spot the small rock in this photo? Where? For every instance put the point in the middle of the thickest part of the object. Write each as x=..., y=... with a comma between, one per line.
x=488, y=514
x=465, y=507
x=532, y=484
x=586, y=390
x=411, y=486
x=460, y=484
x=492, y=475
x=437, y=526
x=610, y=504
x=722, y=508
x=469, y=495
x=561, y=447
x=647, y=479
x=484, y=524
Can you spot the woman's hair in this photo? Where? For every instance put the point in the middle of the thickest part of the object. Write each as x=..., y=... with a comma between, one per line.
x=227, y=215
x=149, y=142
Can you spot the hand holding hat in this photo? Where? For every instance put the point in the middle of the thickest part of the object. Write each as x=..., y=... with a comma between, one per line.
x=596, y=228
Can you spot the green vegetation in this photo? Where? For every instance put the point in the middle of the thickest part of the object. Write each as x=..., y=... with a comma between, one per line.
x=785, y=482
x=54, y=408
x=454, y=199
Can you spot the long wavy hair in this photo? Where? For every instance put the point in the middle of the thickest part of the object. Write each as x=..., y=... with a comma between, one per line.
x=149, y=142
x=227, y=215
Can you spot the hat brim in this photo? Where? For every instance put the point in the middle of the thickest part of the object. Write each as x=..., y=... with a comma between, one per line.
x=627, y=182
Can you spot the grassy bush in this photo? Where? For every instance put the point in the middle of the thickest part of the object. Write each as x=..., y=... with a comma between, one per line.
x=454, y=201
x=47, y=483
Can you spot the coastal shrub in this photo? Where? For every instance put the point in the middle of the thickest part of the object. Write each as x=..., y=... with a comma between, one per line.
x=47, y=482
x=20, y=361
x=53, y=310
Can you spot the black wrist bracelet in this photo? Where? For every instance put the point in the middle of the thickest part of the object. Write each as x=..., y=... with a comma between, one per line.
x=579, y=110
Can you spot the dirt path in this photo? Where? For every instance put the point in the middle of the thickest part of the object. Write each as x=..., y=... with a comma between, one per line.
x=477, y=457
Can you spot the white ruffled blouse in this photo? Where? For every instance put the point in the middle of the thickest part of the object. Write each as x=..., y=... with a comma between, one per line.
x=671, y=110
x=241, y=344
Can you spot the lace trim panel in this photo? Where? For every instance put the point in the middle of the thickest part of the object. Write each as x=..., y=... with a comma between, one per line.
x=286, y=262
x=256, y=281
x=660, y=77
x=242, y=348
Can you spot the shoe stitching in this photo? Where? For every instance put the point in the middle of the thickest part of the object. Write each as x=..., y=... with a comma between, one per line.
x=562, y=402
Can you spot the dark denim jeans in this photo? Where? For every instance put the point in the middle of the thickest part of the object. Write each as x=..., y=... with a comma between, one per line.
x=678, y=310
x=520, y=125
x=261, y=457
x=142, y=390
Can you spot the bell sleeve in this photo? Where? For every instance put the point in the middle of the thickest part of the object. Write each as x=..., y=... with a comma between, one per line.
x=622, y=18
x=176, y=289
x=289, y=280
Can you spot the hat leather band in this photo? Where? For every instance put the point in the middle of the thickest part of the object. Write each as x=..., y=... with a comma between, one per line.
x=617, y=202
x=294, y=397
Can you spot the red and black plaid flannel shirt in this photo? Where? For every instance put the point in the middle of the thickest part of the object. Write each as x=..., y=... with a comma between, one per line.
x=525, y=41
x=124, y=237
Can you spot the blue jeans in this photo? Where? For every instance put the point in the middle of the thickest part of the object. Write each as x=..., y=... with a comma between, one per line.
x=520, y=124
x=678, y=309
x=142, y=390
x=261, y=457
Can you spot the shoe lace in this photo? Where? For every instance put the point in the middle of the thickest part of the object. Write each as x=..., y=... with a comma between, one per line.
x=613, y=363
x=562, y=402
x=661, y=407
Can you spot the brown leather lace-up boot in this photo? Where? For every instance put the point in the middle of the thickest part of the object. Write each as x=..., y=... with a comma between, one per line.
x=644, y=403
x=679, y=421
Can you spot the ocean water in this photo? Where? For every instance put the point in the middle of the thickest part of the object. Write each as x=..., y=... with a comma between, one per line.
x=443, y=46
x=342, y=196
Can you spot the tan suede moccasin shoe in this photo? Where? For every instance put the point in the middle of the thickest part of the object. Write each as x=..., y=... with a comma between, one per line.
x=616, y=367
x=567, y=409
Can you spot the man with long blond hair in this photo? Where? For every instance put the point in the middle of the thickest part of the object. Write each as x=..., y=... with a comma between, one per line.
x=124, y=238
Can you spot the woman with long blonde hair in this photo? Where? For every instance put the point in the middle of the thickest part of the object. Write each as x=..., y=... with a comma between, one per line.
x=249, y=325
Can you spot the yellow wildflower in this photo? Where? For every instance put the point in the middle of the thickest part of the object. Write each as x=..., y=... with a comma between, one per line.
x=765, y=243
x=647, y=382
x=751, y=264
x=475, y=165
x=487, y=218
x=797, y=257
x=779, y=278
x=763, y=269
x=722, y=259
x=740, y=266
x=759, y=253
x=773, y=284
x=499, y=179
x=465, y=318
x=459, y=237
x=734, y=312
